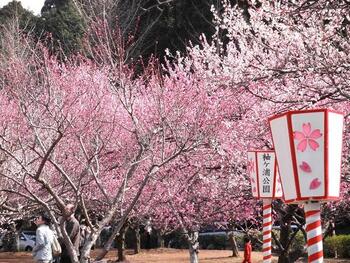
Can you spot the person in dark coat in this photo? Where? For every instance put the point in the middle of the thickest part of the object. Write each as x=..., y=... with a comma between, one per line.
x=72, y=227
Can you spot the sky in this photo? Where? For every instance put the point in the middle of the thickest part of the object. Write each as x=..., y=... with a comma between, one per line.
x=32, y=5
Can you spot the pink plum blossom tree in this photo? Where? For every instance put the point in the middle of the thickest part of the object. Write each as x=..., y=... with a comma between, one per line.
x=97, y=131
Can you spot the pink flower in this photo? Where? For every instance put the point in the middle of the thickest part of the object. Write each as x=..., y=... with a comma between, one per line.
x=305, y=167
x=315, y=184
x=307, y=137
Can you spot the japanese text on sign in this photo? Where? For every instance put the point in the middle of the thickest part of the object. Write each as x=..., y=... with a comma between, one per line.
x=266, y=173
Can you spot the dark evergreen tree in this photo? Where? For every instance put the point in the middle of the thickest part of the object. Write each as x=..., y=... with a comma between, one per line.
x=61, y=27
x=177, y=23
x=50, y=5
x=154, y=25
x=15, y=11
x=157, y=25
x=181, y=22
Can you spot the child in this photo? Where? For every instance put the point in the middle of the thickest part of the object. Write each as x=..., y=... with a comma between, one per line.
x=247, y=251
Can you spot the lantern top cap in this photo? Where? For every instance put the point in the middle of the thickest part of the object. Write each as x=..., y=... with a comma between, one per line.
x=304, y=111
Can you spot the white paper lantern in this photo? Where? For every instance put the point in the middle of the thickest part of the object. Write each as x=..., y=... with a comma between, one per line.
x=308, y=146
x=263, y=172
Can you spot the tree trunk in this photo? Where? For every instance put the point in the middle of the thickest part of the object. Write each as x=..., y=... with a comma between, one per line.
x=193, y=248
x=286, y=216
x=121, y=243
x=233, y=243
x=10, y=241
x=16, y=241
x=137, y=248
x=109, y=242
x=85, y=251
x=333, y=234
x=68, y=245
x=72, y=254
x=284, y=240
x=160, y=240
x=284, y=258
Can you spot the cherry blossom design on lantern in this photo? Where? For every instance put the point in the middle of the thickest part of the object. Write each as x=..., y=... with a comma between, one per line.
x=251, y=166
x=315, y=183
x=305, y=167
x=307, y=137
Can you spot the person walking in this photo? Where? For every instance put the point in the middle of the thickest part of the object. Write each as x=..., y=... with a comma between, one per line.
x=247, y=251
x=72, y=227
x=42, y=252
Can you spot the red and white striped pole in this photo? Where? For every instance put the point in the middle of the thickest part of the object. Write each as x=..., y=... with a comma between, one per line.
x=267, y=226
x=314, y=232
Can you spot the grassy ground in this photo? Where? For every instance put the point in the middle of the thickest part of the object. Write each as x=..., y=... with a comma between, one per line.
x=160, y=256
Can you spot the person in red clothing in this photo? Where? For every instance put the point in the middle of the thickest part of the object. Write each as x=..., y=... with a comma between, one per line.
x=247, y=251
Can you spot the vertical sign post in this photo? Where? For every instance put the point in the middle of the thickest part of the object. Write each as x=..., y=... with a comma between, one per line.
x=266, y=185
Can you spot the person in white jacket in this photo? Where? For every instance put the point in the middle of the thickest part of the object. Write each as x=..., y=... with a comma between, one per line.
x=42, y=251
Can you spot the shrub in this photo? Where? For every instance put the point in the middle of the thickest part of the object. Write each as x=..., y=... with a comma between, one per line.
x=340, y=243
x=176, y=240
x=214, y=242
x=298, y=242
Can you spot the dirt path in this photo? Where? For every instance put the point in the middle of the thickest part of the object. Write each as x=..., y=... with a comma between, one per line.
x=162, y=256
x=182, y=256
